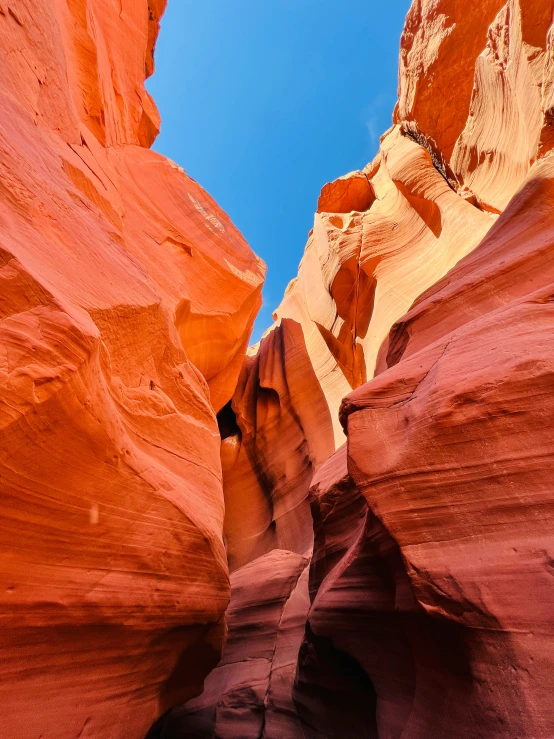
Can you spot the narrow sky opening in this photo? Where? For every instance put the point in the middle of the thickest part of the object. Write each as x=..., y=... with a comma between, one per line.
x=264, y=102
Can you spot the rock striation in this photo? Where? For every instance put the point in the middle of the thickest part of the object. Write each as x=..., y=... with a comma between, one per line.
x=424, y=297
x=126, y=302
x=375, y=474
x=249, y=692
x=466, y=497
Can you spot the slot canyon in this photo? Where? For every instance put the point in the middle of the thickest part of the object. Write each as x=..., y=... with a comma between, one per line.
x=345, y=531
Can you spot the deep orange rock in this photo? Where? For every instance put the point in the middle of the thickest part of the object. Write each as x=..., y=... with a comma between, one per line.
x=348, y=193
x=362, y=269
x=113, y=568
x=452, y=449
x=430, y=581
x=439, y=47
x=487, y=63
x=424, y=295
x=360, y=272
x=274, y=443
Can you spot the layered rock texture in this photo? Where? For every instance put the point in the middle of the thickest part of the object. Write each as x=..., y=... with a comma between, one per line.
x=376, y=474
x=126, y=303
x=424, y=297
x=249, y=693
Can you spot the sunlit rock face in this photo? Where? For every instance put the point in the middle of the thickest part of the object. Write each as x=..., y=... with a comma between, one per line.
x=362, y=269
x=424, y=296
x=144, y=456
x=126, y=302
x=489, y=65
x=452, y=448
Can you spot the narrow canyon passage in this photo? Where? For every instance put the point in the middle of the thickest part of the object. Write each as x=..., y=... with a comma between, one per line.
x=344, y=531
x=410, y=629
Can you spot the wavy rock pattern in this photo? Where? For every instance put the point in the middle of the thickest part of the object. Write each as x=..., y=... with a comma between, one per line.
x=360, y=272
x=452, y=449
x=274, y=442
x=143, y=455
x=363, y=269
x=126, y=302
x=429, y=271
x=248, y=694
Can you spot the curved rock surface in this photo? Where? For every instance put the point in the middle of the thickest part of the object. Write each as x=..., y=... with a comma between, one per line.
x=362, y=269
x=248, y=695
x=274, y=442
x=488, y=64
x=424, y=295
x=431, y=586
x=452, y=449
x=126, y=302
x=360, y=272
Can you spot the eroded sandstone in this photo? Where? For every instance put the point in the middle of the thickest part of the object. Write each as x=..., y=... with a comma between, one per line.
x=114, y=572
x=430, y=272
x=424, y=296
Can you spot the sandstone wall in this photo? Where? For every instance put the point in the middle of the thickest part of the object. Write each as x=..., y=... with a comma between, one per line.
x=126, y=303
x=430, y=272
x=391, y=564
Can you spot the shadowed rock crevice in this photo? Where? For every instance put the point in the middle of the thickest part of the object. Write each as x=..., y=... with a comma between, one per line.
x=248, y=693
x=365, y=608
x=227, y=423
x=431, y=147
x=333, y=695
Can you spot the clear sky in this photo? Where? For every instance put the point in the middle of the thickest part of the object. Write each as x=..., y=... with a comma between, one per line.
x=264, y=101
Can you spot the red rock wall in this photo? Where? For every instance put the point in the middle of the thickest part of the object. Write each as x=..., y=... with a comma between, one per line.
x=277, y=441
x=444, y=448
x=430, y=582
x=126, y=302
x=112, y=563
x=249, y=692
x=468, y=498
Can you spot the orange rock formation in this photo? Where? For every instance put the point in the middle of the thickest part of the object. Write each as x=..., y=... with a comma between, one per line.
x=249, y=693
x=430, y=583
x=424, y=296
x=127, y=298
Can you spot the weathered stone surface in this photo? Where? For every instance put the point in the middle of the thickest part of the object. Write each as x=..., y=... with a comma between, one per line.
x=431, y=580
x=274, y=442
x=487, y=64
x=424, y=295
x=452, y=449
x=360, y=272
x=113, y=569
x=348, y=193
x=248, y=695
x=438, y=50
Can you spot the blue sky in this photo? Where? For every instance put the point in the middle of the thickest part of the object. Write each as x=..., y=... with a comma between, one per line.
x=264, y=101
